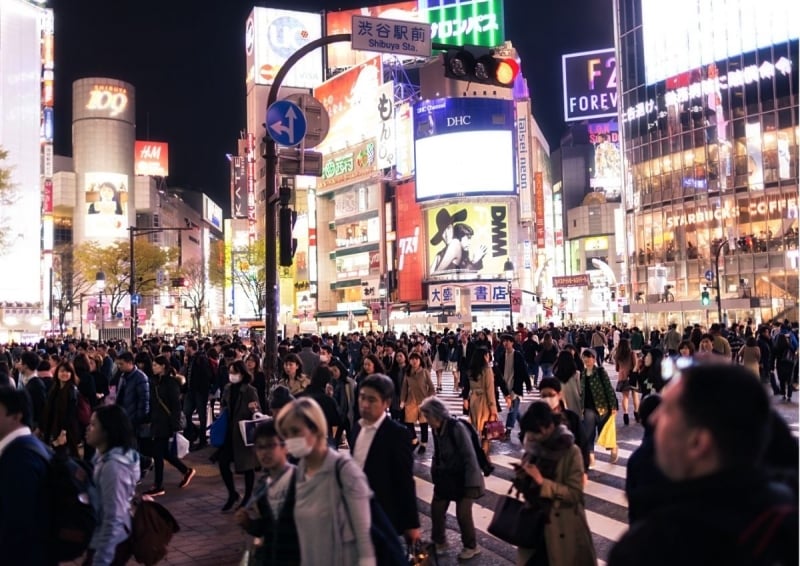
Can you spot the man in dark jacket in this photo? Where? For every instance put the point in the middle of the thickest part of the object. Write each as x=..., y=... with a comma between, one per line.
x=511, y=371
x=643, y=476
x=711, y=432
x=198, y=383
x=382, y=447
x=24, y=509
x=30, y=381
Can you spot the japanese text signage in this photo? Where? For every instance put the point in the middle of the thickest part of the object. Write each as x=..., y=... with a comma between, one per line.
x=397, y=37
x=581, y=280
x=349, y=165
x=465, y=22
x=484, y=293
x=590, y=84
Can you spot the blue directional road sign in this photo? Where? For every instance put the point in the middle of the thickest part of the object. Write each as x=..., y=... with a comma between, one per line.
x=709, y=275
x=136, y=299
x=286, y=123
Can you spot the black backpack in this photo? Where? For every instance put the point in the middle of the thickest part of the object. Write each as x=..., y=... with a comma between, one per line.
x=483, y=462
x=70, y=495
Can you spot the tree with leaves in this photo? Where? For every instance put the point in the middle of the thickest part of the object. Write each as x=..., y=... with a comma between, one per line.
x=114, y=262
x=8, y=196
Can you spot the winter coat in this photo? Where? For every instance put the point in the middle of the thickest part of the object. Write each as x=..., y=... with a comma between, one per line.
x=603, y=395
x=455, y=460
x=133, y=395
x=244, y=457
x=165, y=401
x=115, y=475
x=61, y=413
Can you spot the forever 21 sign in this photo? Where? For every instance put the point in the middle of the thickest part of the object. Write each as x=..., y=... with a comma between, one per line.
x=109, y=99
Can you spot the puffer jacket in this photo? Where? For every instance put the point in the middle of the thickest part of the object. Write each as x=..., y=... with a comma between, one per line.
x=115, y=475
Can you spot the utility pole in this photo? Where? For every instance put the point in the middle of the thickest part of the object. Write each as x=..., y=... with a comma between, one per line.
x=717, y=253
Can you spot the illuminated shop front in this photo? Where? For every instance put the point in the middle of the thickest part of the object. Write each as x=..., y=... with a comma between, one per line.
x=711, y=137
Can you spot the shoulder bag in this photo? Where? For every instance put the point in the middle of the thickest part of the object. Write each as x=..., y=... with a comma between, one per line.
x=518, y=522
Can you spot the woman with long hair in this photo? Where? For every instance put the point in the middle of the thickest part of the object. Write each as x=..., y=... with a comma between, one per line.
x=398, y=374
x=165, y=417
x=370, y=364
x=84, y=366
x=749, y=356
x=60, y=414
x=599, y=402
x=625, y=362
x=332, y=493
x=550, y=477
x=253, y=364
x=240, y=398
x=548, y=350
x=568, y=373
x=116, y=471
x=292, y=375
x=479, y=394
x=416, y=387
x=648, y=372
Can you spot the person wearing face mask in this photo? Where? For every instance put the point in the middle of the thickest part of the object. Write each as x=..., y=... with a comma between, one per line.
x=550, y=476
x=551, y=391
x=332, y=498
x=241, y=401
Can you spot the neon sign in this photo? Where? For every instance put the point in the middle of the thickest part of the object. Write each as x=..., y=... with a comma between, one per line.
x=108, y=98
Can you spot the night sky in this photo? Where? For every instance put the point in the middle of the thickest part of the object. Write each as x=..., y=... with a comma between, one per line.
x=186, y=60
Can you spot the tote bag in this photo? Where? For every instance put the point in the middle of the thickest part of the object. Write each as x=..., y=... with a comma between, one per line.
x=219, y=430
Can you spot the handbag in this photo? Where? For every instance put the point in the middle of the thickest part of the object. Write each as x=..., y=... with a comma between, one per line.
x=422, y=554
x=248, y=428
x=518, y=523
x=608, y=434
x=493, y=430
x=219, y=430
x=179, y=446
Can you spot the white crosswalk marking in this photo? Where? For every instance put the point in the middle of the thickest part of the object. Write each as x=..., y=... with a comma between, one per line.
x=604, y=493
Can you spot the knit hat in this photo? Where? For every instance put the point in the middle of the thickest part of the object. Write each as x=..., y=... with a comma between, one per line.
x=280, y=397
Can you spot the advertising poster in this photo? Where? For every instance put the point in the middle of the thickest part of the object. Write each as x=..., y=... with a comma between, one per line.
x=386, y=126
x=340, y=55
x=590, y=84
x=410, y=264
x=464, y=147
x=465, y=22
x=468, y=238
x=151, y=158
x=238, y=187
x=348, y=165
x=272, y=36
x=106, y=196
x=350, y=99
x=606, y=176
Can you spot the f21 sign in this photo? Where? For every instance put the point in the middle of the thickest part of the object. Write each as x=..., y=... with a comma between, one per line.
x=590, y=85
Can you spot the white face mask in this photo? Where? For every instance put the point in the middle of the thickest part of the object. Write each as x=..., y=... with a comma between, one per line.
x=552, y=402
x=234, y=377
x=298, y=447
x=325, y=358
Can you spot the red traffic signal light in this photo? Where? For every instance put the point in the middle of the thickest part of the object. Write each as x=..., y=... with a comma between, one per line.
x=485, y=68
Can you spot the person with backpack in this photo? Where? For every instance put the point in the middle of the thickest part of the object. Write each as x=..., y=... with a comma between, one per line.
x=116, y=471
x=24, y=509
x=61, y=410
x=456, y=476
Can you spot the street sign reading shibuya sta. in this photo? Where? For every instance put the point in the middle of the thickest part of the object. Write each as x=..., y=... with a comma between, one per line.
x=398, y=37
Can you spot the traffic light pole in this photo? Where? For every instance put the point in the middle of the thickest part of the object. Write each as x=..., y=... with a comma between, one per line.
x=719, y=292
x=271, y=302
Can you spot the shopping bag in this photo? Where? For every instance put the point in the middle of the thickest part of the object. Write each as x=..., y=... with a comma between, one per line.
x=608, y=434
x=517, y=522
x=179, y=445
x=248, y=428
x=219, y=429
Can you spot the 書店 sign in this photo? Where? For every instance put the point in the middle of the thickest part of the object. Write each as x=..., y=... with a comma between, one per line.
x=397, y=37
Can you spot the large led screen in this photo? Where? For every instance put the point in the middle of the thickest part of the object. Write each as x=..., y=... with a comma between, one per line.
x=464, y=147
x=674, y=42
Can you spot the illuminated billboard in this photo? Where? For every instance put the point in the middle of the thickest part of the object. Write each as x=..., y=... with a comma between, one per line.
x=410, y=264
x=464, y=147
x=465, y=22
x=272, y=36
x=339, y=54
x=674, y=42
x=212, y=213
x=348, y=166
x=590, y=84
x=467, y=239
x=151, y=158
x=351, y=101
x=606, y=175
x=106, y=205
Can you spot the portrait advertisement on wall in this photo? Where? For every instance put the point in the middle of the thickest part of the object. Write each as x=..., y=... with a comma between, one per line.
x=106, y=205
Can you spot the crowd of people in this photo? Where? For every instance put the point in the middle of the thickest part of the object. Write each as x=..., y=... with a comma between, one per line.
x=344, y=415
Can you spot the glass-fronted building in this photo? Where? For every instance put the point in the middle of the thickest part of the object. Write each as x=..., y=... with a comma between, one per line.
x=709, y=115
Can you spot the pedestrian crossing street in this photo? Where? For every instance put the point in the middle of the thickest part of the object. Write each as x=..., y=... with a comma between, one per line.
x=606, y=504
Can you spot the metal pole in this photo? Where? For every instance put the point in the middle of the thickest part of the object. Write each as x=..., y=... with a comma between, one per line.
x=132, y=286
x=719, y=294
x=80, y=313
x=510, y=308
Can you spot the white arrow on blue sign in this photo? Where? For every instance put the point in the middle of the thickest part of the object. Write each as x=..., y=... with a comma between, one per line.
x=136, y=299
x=286, y=123
x=709, y=275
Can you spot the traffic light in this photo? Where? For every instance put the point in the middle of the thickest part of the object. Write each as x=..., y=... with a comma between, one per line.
x=286, y=243
x=705, y=297
x=179, y=282
x=480, y=65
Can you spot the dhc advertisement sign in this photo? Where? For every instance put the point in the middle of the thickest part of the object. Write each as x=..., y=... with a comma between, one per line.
x=464, y=147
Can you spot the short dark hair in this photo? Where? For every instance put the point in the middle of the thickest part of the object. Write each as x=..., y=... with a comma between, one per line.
x=117, y=427
x=30, y=360
x=738, y=418
x=381, y=383
x=537, y=416
x=550, y=383
x=506, y=337
x=266, y=429
x=239, y=367
x=16, y=402
x=125, y=356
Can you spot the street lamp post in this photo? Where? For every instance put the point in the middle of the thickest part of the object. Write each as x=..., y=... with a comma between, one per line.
x=100, y=283
x=717, y=253
x=508, y=267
